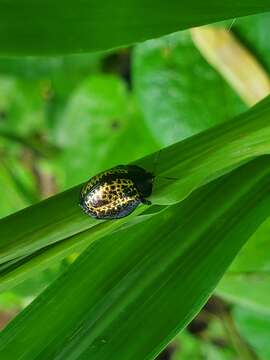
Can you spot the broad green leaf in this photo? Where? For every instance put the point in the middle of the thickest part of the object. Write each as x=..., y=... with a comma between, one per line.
x=34, y=90
x=254, y=258
x=193, y=162
x=251, y=266
x=21, y=106
x=82, y=26
x=255, y=328
x=252, y=31
x=250, y=290
x=145, y=282
x=179, y=93
x=103, y=119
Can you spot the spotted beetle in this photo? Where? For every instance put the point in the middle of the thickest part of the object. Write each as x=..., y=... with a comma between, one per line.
x=117, y=192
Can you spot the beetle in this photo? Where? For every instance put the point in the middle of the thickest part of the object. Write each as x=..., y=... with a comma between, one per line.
x=116, y=193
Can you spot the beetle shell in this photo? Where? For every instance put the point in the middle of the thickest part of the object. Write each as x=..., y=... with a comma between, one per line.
x=117, y=192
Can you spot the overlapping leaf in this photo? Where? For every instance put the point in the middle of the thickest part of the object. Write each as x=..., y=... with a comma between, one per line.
x=191, y=163
x=127, y=295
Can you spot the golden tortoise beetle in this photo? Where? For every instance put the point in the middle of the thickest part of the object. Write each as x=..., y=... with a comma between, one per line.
x=117, y=192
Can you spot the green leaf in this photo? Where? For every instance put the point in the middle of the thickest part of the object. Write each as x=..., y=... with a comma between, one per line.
x=179, y=93
x=247, y=281
x=103, y=119
x=252, y=32
x=250, y=290
x=254, y=258
x=255, y=328
x=128, y=295
x=193, y=162
x=21, y=106
x=68, y=26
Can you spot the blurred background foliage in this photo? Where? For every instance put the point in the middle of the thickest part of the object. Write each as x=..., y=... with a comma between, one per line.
x=122, y=105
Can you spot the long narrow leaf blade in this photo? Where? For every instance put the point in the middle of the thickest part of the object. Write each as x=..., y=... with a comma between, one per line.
x=129, y=294
x=68, y=26
x=192, y=163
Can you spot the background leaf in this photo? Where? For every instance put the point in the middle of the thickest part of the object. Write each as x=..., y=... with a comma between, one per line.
x=100, y=111
x=178, y=92
x=254, y=327
x=251, y=31
x=247, y=279
x=21, y=107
